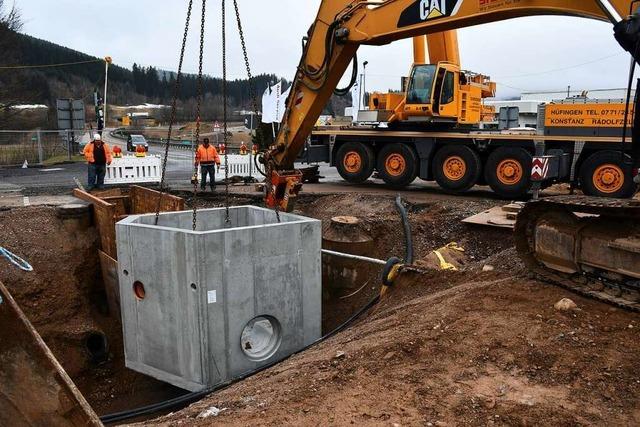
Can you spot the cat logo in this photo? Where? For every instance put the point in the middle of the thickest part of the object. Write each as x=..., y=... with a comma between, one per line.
x=426, y=10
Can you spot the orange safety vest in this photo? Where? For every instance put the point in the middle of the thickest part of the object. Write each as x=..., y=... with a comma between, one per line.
x=88, y=152
x=207, y=155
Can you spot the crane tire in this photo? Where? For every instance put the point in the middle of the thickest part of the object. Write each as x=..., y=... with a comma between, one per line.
x=355, y=162
x=508, y=172
x=456, y=168
x=397, y=165
x=608, y=174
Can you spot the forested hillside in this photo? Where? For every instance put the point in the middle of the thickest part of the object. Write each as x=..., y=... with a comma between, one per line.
x=126, y=87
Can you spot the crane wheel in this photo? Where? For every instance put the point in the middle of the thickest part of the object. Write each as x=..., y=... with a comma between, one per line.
x=397, y=165
x=508, y=172
x=608, y=174
x=355, y=162
x=456, y=168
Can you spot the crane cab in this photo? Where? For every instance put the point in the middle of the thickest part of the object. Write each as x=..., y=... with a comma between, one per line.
x=437, y=93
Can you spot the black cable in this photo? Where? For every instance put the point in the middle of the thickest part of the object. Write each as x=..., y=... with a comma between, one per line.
x=186, y=399
x=407, y=230
x=354, y=77
x=257, y=165
x=629, y=88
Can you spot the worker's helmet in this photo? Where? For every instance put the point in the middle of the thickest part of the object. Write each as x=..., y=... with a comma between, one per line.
x=97, y=137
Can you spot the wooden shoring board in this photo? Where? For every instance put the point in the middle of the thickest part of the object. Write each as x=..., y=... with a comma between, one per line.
x=145, y=200
x=104, y=215
x=499, y=216
x=109, y=267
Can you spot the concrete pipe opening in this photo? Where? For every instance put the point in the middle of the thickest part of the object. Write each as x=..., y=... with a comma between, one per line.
x=97, y=346
x=261, y=338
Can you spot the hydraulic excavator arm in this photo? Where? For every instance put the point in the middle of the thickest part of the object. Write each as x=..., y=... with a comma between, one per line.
x=342, y=26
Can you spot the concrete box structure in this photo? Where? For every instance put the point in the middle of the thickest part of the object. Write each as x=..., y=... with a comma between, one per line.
x=202, y=307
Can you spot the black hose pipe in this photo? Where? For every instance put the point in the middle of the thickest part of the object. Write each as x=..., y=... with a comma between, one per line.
x=407, y=230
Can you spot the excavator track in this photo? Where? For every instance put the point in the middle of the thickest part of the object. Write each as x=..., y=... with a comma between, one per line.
x=589, y=246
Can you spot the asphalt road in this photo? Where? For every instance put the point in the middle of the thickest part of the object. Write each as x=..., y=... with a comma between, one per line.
x=57, y=179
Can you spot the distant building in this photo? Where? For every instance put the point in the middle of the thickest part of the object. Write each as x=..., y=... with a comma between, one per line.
x=599, y=94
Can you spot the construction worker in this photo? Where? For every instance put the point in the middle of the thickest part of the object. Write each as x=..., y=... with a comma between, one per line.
x=98, y=155
x=208, y=159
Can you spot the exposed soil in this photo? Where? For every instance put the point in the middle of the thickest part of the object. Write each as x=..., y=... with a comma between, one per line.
x=433, y=224
x=448, y=348
x=64, y=299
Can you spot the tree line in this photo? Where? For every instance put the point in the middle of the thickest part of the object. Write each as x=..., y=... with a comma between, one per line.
x=141, y=84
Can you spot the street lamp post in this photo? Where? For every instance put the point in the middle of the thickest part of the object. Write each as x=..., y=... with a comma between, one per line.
x=364, y=85
x=107, y=62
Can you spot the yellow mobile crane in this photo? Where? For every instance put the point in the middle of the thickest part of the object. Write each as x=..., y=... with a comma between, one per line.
x=591, y=156
x=438, y=92
x=588, y=244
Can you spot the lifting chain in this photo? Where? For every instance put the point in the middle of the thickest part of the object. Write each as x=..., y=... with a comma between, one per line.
x=252, y=86
x=225, y=95
x=224, y=112
x=198, y=113
x=254, y=97
x=174, y=105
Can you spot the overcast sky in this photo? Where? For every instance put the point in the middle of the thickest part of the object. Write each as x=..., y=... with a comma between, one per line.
x=521, y=55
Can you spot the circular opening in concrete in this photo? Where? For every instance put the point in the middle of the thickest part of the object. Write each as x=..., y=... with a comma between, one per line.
x=261, y=338
x=97, y=346
x=138, y=290
x=194, y=286
x=126, y=273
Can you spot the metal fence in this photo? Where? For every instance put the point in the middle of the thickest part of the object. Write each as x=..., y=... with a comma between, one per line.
x=39, y=147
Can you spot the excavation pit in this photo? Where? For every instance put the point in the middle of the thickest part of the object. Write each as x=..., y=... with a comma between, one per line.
x=204, y=289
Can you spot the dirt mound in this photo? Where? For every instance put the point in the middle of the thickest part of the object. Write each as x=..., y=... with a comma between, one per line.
x=452, y=349
x=434, y=224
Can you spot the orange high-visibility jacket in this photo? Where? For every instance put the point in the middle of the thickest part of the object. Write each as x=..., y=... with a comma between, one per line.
x=207, y=155
x=88, y=152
